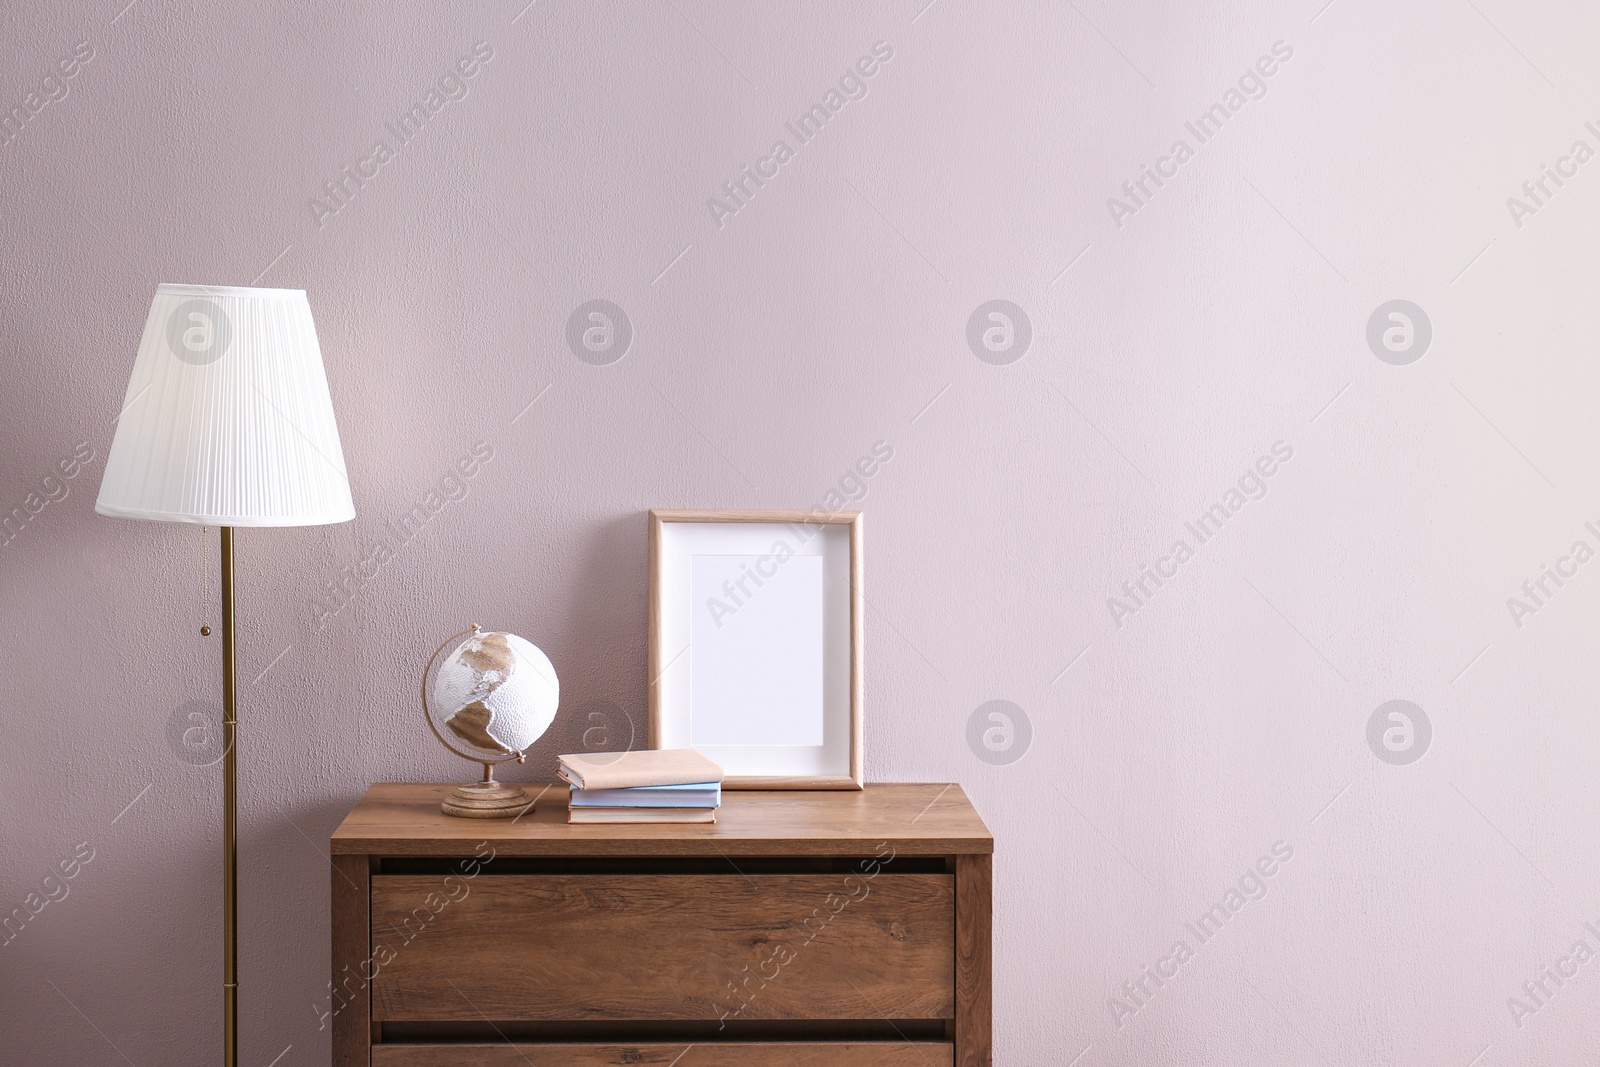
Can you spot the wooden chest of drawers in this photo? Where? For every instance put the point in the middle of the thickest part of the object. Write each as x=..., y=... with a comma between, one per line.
x=803, y=929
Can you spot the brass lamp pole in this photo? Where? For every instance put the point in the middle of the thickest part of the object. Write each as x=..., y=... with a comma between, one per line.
x=228, y=422
x=230, y=815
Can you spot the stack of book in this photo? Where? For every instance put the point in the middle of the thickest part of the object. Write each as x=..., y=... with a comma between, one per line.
x=655, y=785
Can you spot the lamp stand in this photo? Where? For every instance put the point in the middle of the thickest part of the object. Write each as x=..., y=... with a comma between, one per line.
x=230, y=817
x=209, y=446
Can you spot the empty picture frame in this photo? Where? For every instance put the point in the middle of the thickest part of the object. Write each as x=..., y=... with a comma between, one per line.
x=756, y=644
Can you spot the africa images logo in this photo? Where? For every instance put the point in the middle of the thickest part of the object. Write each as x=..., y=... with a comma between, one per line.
x=999, y=332
x=1252, y=485
x=999, y=732
x=599, y=332
x=199, y=331
x=1137, y=192
x=1399, y=732
x=1251, y=886
x=1537, y=192
x=339, y=192
x=737, y=193
x=1399, y=332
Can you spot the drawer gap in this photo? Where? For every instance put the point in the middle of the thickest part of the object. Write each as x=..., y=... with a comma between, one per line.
x=697, y=1032
x=685, y=865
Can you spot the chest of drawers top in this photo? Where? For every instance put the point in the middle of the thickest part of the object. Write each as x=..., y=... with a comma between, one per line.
x=912, y=819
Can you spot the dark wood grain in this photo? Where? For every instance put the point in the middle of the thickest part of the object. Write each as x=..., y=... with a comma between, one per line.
x=593, y=947
x=709, y=1054
x=913, y=819
x=974, y=962
x=349, y=1004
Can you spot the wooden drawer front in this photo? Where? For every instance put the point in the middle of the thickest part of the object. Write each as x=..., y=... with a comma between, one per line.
x=775, y=946
x=706, y=1054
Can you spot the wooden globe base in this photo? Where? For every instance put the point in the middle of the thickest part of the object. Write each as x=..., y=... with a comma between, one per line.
x=487, y=800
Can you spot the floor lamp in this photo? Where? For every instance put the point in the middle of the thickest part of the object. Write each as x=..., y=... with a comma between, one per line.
x=227, y=422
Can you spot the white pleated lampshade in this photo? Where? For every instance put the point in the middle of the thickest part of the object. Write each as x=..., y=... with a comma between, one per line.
x=227, y=419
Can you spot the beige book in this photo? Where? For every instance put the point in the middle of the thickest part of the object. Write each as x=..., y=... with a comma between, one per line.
x=624, y=770
x=635, y=815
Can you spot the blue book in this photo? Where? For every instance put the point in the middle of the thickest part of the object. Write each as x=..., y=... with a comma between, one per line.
x=697, y=795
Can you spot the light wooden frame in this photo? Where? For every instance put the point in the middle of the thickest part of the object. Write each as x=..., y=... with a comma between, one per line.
x=657, y=652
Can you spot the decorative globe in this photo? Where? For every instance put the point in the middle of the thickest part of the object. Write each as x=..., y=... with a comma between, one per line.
x=496, y=693
x=493, y=696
